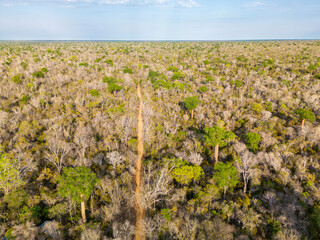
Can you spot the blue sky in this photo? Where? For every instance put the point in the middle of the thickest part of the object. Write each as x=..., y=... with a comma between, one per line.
x=159, y=19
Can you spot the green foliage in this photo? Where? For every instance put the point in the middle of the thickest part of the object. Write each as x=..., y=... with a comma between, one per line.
x=159, y=80
x=24, y=65
x=94, y=93
x=305, y=114
x=109, y=62
x=16, y=78
x=16, y=200
x=44, y=70
x=209, y=78
x=113, y=87
x=226, y=176
x=109, y=80
x=186, y=173
x=32, y=213
x=24, y=99
x=312, y=67
x=84, y=64
x=166, y=213
x=268, y=106
x=274, y=227
x=257, y=107
x=203, y=89
x=127, y=70
x=76, y=183
x=38, y=74
x=253, y=140
x=58, y=210
x=217, y=135
x=314, y=220
x=73, y=58
x=178, y=75
x=173, y=69
x=237, y=83
x=9, y=174
x=191, y=102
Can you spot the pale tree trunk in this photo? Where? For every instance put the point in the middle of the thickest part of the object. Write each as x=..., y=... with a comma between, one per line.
x=302, y=124
x=245, y=187
x=83, y=210
x=216, y=153
x=191, y=114
x=91, y=205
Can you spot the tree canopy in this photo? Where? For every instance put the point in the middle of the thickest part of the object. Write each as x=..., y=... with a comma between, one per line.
x=217, y=136
x=76, y=183
x=191, y=102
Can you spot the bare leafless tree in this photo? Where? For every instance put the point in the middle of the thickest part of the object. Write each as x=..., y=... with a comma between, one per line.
x=156, y=184
x=57, y=152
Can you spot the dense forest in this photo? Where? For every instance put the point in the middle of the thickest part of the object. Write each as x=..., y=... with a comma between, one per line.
x=229, y=140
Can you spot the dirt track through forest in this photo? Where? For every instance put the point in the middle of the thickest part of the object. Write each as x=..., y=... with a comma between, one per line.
x=139, y=233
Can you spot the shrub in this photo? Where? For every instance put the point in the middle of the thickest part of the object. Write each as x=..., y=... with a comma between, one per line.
x=203, y=89
x=84, y=64
x=109, y=80
x=109, y=61
x=16, y=78
x=94, y=93
x=173, y=69
x=38, y=74
x=25, y=98
x=178, y=75
x=127, y=70
x=257, y=107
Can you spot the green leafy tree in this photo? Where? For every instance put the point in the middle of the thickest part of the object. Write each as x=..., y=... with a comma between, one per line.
x=77, y=183
x=217, y=136
x=38, y=74
x=185, y=174
x=312, y=68
x=226, y=176
x=253, y=140
x=9, y=174
x=127, y=70
x=305, y=115
x=114, y=88
x=191, y=103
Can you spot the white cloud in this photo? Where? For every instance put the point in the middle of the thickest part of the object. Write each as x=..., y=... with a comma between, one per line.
x=255, y=4
x=157, y=3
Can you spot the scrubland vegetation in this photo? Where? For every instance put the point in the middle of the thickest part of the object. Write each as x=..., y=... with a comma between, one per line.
x=231, y=139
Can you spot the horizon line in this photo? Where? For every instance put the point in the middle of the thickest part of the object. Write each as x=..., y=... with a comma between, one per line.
x=146, y=40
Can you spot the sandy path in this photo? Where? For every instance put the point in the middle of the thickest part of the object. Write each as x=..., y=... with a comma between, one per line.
x=139, y=233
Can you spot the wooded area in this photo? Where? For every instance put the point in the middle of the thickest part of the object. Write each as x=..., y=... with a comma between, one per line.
x=231, y=140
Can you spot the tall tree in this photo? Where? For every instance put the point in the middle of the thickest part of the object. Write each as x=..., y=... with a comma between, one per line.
x=226, y=176
x=9, y=174
x=217, y=136
x=305, y=115
x=77, y=183
x=191, y=103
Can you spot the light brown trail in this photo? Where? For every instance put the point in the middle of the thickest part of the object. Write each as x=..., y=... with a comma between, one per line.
x=139, y=233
